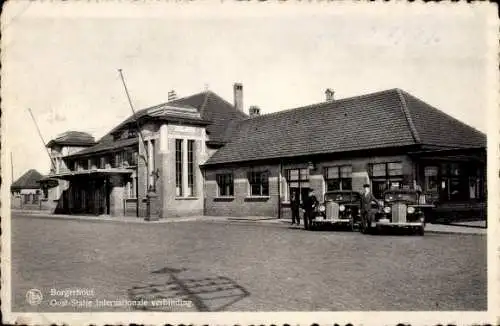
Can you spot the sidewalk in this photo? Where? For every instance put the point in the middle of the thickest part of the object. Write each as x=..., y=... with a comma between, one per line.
x=430, y=228
x=115, y=219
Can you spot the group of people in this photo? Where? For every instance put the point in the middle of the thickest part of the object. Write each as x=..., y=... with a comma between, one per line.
x=310, y=204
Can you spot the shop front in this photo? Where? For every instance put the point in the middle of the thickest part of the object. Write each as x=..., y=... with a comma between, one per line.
x=454, y=180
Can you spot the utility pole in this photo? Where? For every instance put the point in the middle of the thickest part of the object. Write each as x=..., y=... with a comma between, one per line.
x=43, y=141
x=145, y=158
x=11, y=167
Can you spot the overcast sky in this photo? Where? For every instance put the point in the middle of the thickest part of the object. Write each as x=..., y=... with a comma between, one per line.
x=61, y=60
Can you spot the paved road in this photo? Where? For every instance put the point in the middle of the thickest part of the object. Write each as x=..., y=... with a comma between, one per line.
x=210, y=266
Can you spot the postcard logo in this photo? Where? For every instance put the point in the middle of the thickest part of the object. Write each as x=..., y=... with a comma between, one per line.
x=34, y=297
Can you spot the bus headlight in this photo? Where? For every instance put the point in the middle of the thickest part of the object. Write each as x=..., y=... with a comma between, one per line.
x=387, y=209
x=411, y=210
x=341, y=208
x=322, y=208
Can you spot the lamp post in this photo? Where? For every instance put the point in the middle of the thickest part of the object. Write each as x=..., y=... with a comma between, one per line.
x=151, y=191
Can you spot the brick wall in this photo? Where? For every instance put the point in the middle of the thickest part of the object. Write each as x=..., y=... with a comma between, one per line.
x=242, y=205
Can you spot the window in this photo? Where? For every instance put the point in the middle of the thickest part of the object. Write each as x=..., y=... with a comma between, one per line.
x=135, y=158
x=225, y=184
x=84, y=164
x=118, y=159
x=191, y=167
x=151, y=162
x=454, y=185
x=338, y=178
x=259, y=183
x=110, y=160
x=102, y=163
x=178, y=167
x=431, y=178
x=386, y=176
x=297, y=182
x=131, y=188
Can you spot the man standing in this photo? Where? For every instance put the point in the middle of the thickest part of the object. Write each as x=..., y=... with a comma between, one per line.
x=367, y=213
x=295, y=207
x=310, y=204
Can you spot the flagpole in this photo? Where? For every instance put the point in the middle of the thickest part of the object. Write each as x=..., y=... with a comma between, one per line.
x=144, y=157
x=43, y=141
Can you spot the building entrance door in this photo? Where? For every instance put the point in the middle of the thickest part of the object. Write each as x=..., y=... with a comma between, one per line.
x=100, y=201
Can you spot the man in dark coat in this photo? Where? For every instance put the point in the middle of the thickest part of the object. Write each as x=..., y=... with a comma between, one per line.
x=295, y=207
x=366, y=204
x=310, y=204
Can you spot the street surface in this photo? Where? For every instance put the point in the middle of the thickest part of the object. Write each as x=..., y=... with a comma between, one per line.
x=234, y=266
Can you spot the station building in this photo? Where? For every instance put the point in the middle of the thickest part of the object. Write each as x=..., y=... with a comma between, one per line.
x=201, y=155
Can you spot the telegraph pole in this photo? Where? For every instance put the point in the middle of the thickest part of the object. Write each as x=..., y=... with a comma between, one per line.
x=43, y=141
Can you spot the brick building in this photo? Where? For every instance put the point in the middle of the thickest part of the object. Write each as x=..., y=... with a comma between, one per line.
x=202, y=155
x=387, y=139
x=156, y=153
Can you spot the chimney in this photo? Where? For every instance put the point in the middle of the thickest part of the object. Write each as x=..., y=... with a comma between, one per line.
x=238, y=96
x=254, y=111
x=329, y=95
x=172, y=95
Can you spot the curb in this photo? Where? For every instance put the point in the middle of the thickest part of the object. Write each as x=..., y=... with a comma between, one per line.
x=268, y=221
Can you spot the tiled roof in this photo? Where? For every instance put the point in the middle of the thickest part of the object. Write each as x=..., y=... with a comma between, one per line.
x=75, y=138
x=214, y=111
x=390, y=118
x=107, y=144
x=435, y=127
x=29, y=180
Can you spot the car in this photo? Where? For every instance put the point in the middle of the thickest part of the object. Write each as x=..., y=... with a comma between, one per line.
x=401, y=208
x=340, y=207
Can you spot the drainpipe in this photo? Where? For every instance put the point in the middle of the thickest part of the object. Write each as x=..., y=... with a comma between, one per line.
x=137, y=189
x=279, y=190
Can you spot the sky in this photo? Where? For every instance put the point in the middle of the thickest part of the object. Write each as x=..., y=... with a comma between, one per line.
x=62, y=60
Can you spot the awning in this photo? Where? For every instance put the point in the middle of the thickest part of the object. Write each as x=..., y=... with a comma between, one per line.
x=48, y=182
x=465, y=154
x=69, y=175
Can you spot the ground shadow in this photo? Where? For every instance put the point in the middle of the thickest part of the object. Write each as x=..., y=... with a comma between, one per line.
x=206, y=293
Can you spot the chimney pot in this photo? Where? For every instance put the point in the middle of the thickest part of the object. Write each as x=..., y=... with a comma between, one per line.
x=330, y=95
x=172, y=95
x=238, y=96
x=254, y=111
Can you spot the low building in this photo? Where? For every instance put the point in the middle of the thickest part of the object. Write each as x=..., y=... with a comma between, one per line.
x=389, y=139
x=26, y=192
x=203, y=155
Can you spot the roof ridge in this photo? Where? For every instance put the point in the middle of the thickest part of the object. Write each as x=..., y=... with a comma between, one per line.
x=319, y=104
x=407, y=114
x=204, y=104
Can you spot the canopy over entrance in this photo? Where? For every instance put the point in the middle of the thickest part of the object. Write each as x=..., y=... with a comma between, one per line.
x=70, y=175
